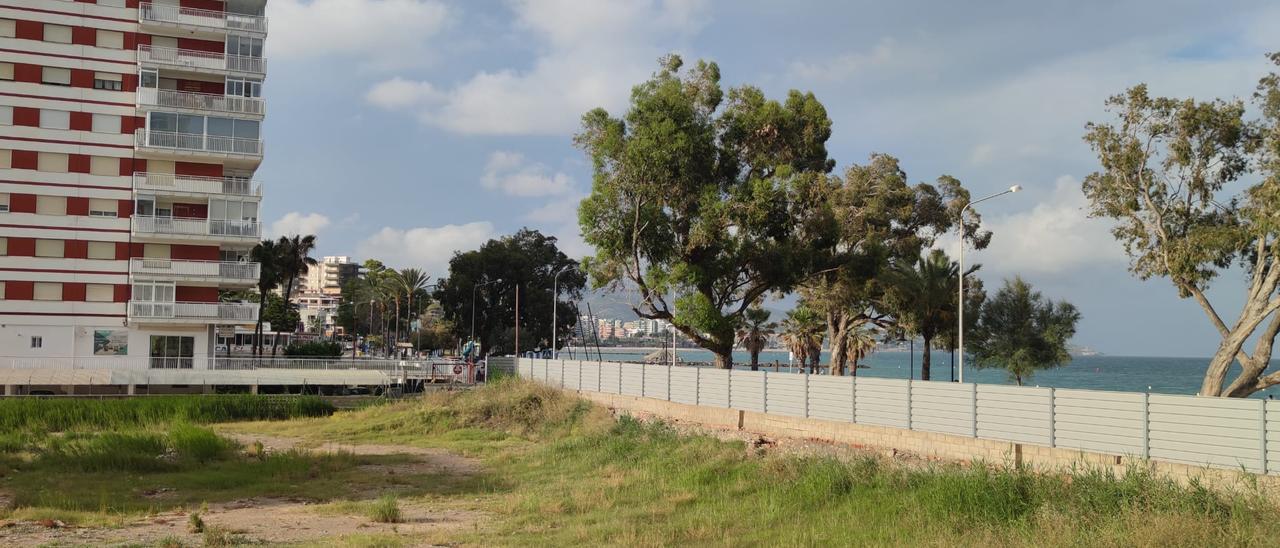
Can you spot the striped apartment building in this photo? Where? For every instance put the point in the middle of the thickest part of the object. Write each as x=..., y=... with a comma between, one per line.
x=129, y=135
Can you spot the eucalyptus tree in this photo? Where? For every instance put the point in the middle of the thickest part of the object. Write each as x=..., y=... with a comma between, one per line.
x=702, y=201
x=1194, y=189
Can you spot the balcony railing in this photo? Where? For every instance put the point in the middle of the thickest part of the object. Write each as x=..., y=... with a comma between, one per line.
x=210, y=312
x=147, y=224
x=195, y=142
x=195, y=59
x=160, y=182
x=210, y=270
x=201, y=101
x=163, y=13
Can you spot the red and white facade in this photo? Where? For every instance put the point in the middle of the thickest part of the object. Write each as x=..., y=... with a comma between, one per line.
x=130, y=132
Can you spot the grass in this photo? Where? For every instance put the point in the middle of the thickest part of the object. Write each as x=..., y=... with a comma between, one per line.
x=19, y=415
x=572, y=475
x=385, y=510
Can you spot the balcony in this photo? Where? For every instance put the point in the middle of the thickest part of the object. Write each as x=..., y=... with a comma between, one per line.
x=182, y=228
x=197, y=144
x=202, y=19
x=200, y=61
x=214, y=272
x=207, y=102
x=170, y=184
x=194, y=313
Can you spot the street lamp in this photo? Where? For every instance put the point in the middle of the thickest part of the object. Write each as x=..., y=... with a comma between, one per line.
x=555, y=304
x=960, y=327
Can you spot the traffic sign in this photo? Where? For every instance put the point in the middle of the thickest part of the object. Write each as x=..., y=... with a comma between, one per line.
x=457, y=369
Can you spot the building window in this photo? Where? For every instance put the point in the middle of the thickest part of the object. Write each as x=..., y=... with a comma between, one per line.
x=102, y=250
x=6, y=158
x=37, y=342
x=110, y=39
x=1, y=291
x=244, y=87
x=108, y=81
x=55, y=119
x=172, y=352
x=4, y=247
x=8, y=28
x=50, y=248
x=99, y=207
x=99, y=293
x=51, y=205
x=57, y=33
x=246, y=46
x=56, y=76
x=6, y=115
x=48, y=291
x=104, y=165
x=6, y=71
x=55, y=162
x=4, y=202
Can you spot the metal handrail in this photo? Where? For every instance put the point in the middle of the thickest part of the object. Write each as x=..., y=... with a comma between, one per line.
x=233, y=270
x=164, y=13
x=189, y=58
x=213, y=102
x=190, y=183
x=198, y=142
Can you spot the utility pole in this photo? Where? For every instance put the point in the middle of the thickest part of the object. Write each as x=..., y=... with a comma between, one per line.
x=517, y=321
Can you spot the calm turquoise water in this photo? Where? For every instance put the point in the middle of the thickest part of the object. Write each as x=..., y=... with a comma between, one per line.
x=1127, y=373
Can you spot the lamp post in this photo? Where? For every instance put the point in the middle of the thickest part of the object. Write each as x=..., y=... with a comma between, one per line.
x=555, y=304
x=960, y=326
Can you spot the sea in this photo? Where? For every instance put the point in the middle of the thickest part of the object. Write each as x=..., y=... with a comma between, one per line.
x=1098, y=372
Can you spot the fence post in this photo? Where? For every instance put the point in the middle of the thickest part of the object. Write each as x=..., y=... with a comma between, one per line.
x=599, y=377
x=764, y=392
x=909, y=403
x=806, y=393
x=973, y=400
x=853, y=396
x=1053, y=419
x=619, y=378
x=697, y=385
x=1146, y=425
x=669, y=382
x=561, y=373
x=728, y=396
x=642, y=380
x=1262, y=435
x=579, y=374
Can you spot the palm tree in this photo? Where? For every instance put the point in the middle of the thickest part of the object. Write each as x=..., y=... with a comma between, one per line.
x=410, y=281
x=754, y=333
x=802, y=332
x=861, y=342
x=923, y=298
x=295, y=261
x=267, y=255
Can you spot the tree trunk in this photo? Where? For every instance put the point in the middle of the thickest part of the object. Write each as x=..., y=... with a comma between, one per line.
x=755, y=359
x=724, y=357
x=837, y=330
x=1216, y=374
x=925, y=359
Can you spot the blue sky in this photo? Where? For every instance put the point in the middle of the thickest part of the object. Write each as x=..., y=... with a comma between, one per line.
x=453, y=121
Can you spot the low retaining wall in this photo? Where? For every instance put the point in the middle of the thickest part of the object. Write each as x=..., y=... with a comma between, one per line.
x=930, y=445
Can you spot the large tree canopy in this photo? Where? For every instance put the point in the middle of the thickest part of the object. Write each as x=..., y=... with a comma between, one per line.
x=1021, y=331
x=526, y=259
x=704, y=203
x=1194, y=187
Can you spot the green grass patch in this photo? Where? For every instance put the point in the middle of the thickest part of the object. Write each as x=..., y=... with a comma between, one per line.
x=385, y=510
x=63, y=414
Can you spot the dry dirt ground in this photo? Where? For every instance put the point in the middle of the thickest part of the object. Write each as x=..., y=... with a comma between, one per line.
x=277, y=520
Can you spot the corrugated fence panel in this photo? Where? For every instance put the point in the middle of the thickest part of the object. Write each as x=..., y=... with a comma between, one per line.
x=571, y=374
x=882, y=402
x=590, y=376
x=713, y=387
x=609, y=378
x=1094, y=420
x=684, y=385
x=785, y=394
x=831, y=397
x=942, y=407
x=632, y=379
x=1273, y=437
x=1014, y=413
x=1219, y=432
x=555, y=371
x=747, y=390
x=655, y=381
x=526, y=367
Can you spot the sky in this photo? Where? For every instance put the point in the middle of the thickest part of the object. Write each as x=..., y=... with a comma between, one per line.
x=456, y=125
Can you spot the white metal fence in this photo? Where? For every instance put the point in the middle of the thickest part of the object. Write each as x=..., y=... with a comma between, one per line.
x=190, y=183
x=1216, y=432
x=210, y=270
x=215, y=144
x=181, y=15
x=202, y=60
x=201, y=101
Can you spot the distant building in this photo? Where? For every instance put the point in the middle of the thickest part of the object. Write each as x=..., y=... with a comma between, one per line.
x=329, y=275
x=318, y=312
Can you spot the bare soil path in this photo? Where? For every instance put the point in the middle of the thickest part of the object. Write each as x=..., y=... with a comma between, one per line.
x=282, y=520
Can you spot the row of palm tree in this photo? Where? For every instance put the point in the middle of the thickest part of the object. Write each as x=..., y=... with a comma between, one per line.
x=922, y=297
x=282, y=262
x=386, y=289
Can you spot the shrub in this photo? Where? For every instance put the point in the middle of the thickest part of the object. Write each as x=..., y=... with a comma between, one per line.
x=198, y=444
x=314, y=349
x=195, y=523
x=385, y=510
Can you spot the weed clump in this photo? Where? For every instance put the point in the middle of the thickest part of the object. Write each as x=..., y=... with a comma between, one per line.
x=385, y=510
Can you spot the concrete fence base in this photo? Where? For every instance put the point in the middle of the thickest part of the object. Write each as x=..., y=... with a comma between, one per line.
x=930, y=445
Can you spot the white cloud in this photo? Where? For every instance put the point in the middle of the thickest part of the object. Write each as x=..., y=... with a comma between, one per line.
x=1055, y=236
x=514, y=176
x=297, y=223
x=386, y=32
x=427, y=247
x=847, y=65
x=593, y=53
